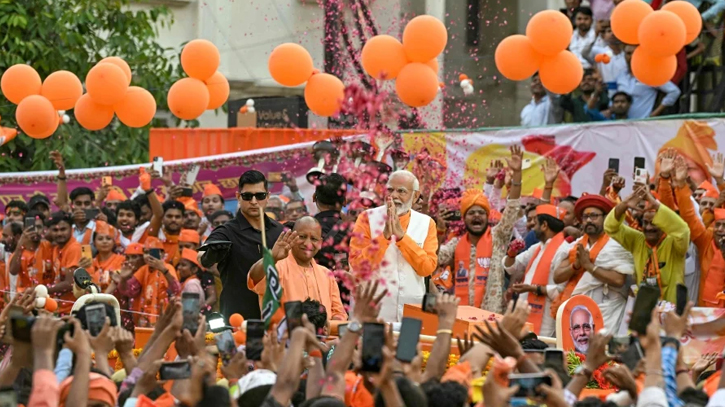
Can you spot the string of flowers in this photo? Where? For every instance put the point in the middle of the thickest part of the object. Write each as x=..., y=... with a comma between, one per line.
x=575, y=359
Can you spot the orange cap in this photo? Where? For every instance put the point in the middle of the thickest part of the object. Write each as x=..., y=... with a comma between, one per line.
x=191, y=255
x=190, y=236
x=154, y=243
x=719, y=213
x=211, y=189
x=134, y=248
x=114, y=195
x=191, y=205
x=551, y=210
x=103, y=228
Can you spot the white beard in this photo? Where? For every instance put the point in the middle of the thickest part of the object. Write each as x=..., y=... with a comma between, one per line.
x=404, y=208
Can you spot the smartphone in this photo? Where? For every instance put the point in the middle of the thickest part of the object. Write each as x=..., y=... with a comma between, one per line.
x=20, y=326
x=255, y=334
x=155, y=253
x=614, y=164
x=158, y=165
x=515, y=299
x=226, y=345
x=106, y=181
x=554, y=357
x=618, y=345
x=190, y=178
x=188, y=192
x=429, y=302
x=175, y=370
x=293, y=314
x=8, y=397
x=528, y=384
x=526, y=163
x=408, y=339
x=632, y=355
x=341, y=329
x=681, y=299
x=95, y=318
x=60, y=338
x=275, y=177
x=638, y=162
x=452, y=215
x=29, y=222
x=191, y=306
x=646, y=301
x=86, y=251
x=372, y=347
x=92, y=213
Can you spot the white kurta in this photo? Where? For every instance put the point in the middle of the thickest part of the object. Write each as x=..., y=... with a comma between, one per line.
x=613, y=300
x=404, y=285
x=548, y=324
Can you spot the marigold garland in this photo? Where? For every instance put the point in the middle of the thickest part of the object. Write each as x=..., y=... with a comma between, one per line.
x=208, y=340
x=575, y=359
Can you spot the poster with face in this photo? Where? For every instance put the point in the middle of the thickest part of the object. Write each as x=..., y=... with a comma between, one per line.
x=576, y=321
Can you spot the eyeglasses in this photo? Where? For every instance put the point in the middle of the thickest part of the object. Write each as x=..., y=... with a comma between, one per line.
x=592, y=216
x=247, y=196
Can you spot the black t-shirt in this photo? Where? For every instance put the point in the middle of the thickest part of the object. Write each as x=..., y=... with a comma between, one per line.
x=206, y=278
x=246, y=250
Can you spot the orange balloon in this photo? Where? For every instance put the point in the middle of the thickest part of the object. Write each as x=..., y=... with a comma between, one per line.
x=550, y=32
x=37, y=117
x=200, y=59
x=516, y=57
x=119, y=63
x=606, y=58
x=20, y=81
x=218, y=87
x=106, y=84
x=324, y=94
x=652, y=70
x=236, y=320
x=63, y=89
x=290, y=64
x=51, y=305
x=626, y=19
x=92, y=115
x=240, y=337
x=689, y=15
x=137, y=108
x=188, y=98
x=383, y=57
x=417, y=85
x=562, y=73
x=433, y=64
x=662, y=33
x=424, y=38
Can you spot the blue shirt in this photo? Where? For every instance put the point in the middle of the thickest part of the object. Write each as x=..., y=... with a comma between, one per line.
x=644, y=96
x=669, y=362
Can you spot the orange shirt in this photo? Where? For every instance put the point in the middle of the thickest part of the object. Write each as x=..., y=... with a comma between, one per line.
x=29, y=266
x=364, y=250
x=101, y=270
x=171, y=249
x=154, y=295
x=300, y=284
x=65, y=260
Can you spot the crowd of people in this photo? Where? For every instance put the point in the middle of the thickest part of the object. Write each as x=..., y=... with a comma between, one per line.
x=609, y=90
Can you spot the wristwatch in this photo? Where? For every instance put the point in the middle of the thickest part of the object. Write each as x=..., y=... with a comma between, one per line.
x=582, y=370
x=354, y=327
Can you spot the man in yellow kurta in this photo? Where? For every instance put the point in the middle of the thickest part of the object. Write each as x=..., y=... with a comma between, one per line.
x=659, y=249
x=301, y=277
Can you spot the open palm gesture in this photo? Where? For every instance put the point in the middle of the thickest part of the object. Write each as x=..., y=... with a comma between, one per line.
x=283, y=245
x=517, y=158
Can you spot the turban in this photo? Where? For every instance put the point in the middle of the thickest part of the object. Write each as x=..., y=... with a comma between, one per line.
x=191, y=255
x=551, y=210
x=114, y=195
x=211, y=189
x=592, y=201
x=134, y=248
x=189, y=236
x=100, y=388
x=719, y=213
x=473, y=197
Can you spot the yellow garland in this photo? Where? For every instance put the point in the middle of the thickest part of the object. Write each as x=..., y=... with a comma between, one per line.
x=452, y=359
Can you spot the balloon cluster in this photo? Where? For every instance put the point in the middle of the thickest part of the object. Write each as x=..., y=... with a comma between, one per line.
x=109, y=91
x=543, y=49
x=248, y=107
x=466, y=84
x=660, y=34
x=205, y=88
x=291, y=65
x=38, y=102
x=413, y=63
x=602, y=58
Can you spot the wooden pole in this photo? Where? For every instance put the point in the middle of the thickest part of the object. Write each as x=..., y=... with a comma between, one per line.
x=264, y=233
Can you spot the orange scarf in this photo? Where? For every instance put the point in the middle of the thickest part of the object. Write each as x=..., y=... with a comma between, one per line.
x=712, y=280
x=574, y=280
x=541, y=277
x=614, y=197
x=101, y=271
x=652, y=268
x=484, y=249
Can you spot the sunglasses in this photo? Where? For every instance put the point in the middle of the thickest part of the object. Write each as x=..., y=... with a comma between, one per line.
x=247, y=196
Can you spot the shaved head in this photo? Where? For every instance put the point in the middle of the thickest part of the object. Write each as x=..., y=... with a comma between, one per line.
x=309, y=239
x=306, y=221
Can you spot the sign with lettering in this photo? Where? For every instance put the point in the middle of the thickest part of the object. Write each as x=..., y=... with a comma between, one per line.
x=273, y=112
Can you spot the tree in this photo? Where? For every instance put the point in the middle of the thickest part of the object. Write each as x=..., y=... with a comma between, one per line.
x=74, y=35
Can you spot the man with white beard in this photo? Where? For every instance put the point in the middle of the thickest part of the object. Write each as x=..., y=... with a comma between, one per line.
x=581, y=326
x=397, y=245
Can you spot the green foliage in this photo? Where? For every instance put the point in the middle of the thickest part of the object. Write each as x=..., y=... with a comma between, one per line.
x=74, y=35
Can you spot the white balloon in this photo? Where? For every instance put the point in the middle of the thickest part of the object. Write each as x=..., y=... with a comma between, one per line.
x=468, y=90
x=66, y=119
x=250, y=102
x=41, y=291
x=61, y=112
x=251, y=109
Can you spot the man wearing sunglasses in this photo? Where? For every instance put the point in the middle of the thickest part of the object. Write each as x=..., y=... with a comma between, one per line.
x=244, y=231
